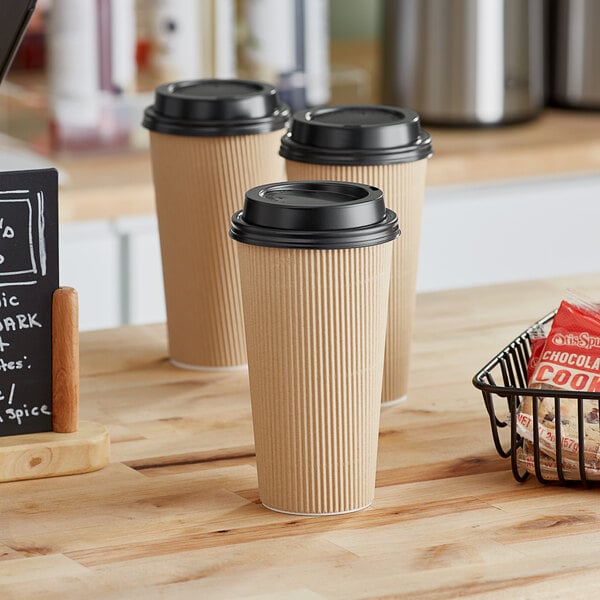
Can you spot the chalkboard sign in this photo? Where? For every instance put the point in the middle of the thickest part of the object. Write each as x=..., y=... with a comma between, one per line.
x=28, y=278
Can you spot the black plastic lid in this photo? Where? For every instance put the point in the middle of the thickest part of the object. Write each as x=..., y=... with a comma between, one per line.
x=356, y=135
x=314, y=214
x=216, y=107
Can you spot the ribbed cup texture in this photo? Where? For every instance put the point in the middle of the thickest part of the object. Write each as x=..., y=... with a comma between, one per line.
x=315, y=327
x=403, y=187
x=199, y=183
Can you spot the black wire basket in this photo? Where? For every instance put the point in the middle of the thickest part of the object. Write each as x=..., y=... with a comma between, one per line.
x=503, y=383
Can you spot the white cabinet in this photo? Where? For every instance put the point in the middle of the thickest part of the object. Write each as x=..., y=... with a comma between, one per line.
x=89, y=261
x=116, y=269
x=143, y=292
x=514, y=231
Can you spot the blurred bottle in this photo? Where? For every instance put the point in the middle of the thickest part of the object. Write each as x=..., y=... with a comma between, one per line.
x=91, y=68
x=190, y=39
x=218, y=38
x=174, y=39
x=286, y=43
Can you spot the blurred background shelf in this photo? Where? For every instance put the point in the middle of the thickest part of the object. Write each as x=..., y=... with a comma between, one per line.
x=559, y=142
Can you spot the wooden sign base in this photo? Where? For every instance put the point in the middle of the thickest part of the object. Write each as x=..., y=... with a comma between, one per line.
x=49, y=454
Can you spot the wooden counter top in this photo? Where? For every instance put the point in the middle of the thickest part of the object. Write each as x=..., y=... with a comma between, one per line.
x=176, y=514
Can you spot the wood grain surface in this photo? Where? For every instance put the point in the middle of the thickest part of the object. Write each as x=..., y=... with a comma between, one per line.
x=53, y=454
x=176, y=514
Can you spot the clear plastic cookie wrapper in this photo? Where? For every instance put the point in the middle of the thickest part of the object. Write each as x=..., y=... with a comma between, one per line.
x=566, y=358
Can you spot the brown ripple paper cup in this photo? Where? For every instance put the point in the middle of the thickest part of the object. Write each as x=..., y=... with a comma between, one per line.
x=315, y=263
x=393, y=138
x=210, y=140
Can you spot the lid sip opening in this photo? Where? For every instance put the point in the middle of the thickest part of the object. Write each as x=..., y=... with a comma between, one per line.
x=314, y=214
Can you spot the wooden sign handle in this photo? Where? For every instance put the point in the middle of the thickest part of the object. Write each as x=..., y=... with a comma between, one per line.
x=65, y=360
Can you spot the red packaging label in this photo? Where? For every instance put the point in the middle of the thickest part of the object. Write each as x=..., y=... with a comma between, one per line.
x=537, y=347
x=570, y=358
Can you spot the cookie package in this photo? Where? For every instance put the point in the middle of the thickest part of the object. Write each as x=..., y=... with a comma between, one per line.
x=566, y=358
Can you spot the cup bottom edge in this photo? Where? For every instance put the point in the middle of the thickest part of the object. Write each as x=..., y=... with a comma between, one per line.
x=325, y=514
x=182, y=365
x=395, y=401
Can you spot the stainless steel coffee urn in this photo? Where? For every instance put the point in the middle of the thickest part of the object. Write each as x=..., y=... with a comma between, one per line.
x=465, y=62
x=576, y=65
